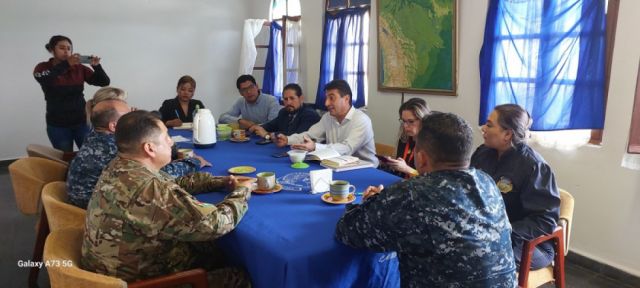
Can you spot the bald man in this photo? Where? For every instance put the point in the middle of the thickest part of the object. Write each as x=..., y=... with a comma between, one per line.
x=99, y=149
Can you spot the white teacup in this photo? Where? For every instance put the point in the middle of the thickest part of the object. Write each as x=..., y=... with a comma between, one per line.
x=340, y=189
x=266, y=180
x=297, y=156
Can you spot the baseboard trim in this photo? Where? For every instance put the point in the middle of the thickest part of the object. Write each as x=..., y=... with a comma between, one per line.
x=6, y=163
x=604, y=269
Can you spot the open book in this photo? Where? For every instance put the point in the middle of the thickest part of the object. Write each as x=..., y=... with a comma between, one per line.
x=322, y=154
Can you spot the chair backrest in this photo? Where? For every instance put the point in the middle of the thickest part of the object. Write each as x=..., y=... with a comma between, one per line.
x=37, y=150
x=61, y=214
x=29, y=175
x=385, y=150
x=62, y=250
x=566, y=216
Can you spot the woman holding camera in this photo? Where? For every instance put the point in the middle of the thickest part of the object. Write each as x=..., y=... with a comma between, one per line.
x=62, y=80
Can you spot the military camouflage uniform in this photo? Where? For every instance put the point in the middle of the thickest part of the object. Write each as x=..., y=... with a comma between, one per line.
x=449, y=228
x=98, y=149
x=142, y=224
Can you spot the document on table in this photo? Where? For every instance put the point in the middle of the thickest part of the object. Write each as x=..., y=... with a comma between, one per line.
x=179, y=138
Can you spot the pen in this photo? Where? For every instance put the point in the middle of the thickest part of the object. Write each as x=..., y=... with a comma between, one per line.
x=177, y=114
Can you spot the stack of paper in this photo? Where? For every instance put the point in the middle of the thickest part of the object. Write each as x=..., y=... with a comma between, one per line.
x=339, y=161
x=184, y=126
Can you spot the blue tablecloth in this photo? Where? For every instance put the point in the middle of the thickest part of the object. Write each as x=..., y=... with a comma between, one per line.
x=286, y=239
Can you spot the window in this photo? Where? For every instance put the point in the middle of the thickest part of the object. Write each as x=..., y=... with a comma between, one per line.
x=549, y=57
x=282, y=62
x=634, y=133
x=281, y=8
x=345, y=47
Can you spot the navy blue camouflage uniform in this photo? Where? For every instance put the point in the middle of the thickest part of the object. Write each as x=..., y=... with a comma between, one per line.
x=449, y=228
x=97, y=151
x=530, y=195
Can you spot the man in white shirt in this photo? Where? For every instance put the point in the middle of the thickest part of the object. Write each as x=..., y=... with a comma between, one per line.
x=345, y=129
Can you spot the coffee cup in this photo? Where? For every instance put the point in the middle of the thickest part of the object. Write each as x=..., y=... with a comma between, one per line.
x=238, y=134
x=266, y=180
x=297, y=156
x=185, y=153
x=340, y=189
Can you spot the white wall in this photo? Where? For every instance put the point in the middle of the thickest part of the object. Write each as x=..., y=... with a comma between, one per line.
x=145, y=45
x=607, y=196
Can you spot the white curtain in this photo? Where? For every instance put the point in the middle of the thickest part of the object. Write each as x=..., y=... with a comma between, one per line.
x=248, y=50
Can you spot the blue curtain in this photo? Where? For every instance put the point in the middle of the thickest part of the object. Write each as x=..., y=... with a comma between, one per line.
x=548, y=57
x=343, y=44
x=272, y=82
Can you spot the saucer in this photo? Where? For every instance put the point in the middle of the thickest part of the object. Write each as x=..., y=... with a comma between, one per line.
x=275, y=189
x=239, y=140
x=245, y=178
x=300, y=165
x=326, y=197
x=242, y=170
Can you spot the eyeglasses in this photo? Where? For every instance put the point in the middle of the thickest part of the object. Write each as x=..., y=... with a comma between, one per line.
x=409, y=122
x=246, y=89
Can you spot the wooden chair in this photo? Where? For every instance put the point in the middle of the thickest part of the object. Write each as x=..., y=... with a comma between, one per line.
x=62, y=252
x=560, y=237
x=61, y=214
x=42, y=151
x=385, y=150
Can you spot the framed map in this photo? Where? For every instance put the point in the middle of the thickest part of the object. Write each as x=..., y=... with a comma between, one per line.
x=417, y=46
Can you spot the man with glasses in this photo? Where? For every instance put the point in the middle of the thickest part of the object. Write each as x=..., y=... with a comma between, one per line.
x=253, y=108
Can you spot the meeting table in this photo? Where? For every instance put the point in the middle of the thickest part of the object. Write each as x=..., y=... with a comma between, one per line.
x=287, y=239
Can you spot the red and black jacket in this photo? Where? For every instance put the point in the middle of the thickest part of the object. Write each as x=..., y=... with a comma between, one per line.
x=63, y=87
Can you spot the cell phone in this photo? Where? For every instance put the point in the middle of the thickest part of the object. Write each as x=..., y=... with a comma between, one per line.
x=382, y=158
x=280, y=154
x=85, y=59
x=264, y=141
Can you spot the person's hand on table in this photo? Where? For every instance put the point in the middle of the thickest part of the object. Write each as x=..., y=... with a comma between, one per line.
x=174, y=122
x=281, y=140
x=307, y=144
x=244, y=124
x=203, y=162
x=371, y=190
x=258, y=130
x=235, y=183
